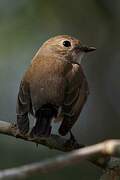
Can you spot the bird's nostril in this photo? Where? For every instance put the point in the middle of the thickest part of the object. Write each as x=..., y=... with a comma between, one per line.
x=77, y=49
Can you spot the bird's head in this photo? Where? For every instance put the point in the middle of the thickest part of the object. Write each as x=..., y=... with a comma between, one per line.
x=65, y=47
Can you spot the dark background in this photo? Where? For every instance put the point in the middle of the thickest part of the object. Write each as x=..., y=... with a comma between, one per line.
x=24, y=26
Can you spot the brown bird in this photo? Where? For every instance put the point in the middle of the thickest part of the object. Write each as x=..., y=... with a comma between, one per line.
x=53, y=87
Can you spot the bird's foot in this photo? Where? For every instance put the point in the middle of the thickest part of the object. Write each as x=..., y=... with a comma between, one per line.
x=17, y=132
x=72, y=142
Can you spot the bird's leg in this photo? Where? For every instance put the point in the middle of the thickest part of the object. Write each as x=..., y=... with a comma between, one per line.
x=72, y=139
x=72, y=142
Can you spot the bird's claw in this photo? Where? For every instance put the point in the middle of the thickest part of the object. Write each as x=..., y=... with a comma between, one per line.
x=72, y=143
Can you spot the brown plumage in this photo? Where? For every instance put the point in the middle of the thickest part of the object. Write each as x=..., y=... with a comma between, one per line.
x=54, y=86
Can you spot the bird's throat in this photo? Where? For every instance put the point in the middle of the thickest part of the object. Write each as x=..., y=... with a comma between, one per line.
x=79, y=60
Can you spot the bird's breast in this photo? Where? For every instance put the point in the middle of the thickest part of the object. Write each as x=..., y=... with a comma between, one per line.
x=47, y=84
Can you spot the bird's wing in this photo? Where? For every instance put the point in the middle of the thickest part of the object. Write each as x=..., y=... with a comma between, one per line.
x=75, y=98
x=23, y=107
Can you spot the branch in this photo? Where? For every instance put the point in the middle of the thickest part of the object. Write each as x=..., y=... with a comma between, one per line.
x=107, y=148
x=53, y=142
x=98, y=154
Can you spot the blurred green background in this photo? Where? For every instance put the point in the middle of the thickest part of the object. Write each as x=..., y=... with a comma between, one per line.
x=24, y=26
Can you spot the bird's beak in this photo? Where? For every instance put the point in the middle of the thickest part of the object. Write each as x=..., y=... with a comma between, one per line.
x=87, y=49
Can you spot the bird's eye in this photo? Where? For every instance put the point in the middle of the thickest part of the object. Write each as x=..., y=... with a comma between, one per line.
x=66, y=43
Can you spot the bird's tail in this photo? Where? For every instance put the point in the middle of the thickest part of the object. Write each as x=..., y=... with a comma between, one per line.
x=43, y=120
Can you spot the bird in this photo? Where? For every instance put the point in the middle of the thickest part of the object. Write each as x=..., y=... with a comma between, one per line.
x=54, y=87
